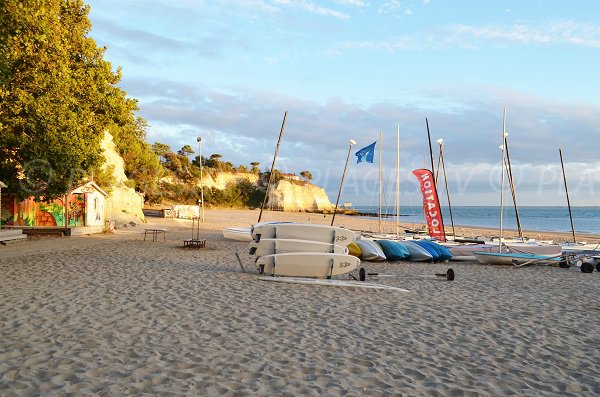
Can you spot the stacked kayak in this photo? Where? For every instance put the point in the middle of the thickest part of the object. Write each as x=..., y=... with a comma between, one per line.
x=405, y=250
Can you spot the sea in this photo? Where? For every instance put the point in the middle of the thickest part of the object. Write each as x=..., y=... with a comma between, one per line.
x=555, y=219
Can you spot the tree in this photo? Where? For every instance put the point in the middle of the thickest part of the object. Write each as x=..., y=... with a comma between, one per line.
x=185, y=151
x=255, y=168
x=306, y=175
x=57, y=97
x=161, y=150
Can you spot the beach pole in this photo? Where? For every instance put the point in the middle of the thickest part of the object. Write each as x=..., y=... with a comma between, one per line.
x=441, y=143
x=272, y=167
x=201, y=214
x=567, y=192
x=511, y=183
x=380, y=175
x=352, y=142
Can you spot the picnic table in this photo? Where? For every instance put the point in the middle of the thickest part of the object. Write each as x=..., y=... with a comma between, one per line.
x=154, y=233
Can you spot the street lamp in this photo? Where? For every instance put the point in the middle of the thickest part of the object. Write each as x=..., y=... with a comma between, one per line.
x=199, y=139
x=352, y=142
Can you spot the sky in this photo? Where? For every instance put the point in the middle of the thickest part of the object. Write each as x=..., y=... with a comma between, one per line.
x=228, y=70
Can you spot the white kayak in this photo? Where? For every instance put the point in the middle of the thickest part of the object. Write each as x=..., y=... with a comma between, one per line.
x=304, y=231
x=417, y=253
x=370, y=250
x=307, y=264
x=237, y=233
x=269, y=246
x=331, y=283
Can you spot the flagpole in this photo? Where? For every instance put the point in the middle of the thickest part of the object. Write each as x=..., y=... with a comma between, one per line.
x=352, y=142
x=380, y=175
x=567, y=192
x=430, y=150
x=272, y=167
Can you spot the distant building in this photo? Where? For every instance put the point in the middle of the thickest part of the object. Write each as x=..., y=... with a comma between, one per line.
x=293, y=177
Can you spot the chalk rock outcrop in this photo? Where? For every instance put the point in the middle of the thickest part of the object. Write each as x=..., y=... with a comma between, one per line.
x=222, y=179
x=293, y=196
x=123, y=204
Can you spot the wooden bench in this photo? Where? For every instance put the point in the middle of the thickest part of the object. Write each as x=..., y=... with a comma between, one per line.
x=155, y=233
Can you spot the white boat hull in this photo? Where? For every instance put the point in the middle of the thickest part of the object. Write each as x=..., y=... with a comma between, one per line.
x=508, y=259
x=237, y=234
x=307, y=264
x=304, y=231
x=269, y=246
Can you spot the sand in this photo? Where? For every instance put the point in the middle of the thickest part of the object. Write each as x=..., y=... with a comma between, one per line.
x=114, y=315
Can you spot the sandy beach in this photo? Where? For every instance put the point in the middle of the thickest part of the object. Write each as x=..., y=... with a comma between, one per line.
x=115, y=315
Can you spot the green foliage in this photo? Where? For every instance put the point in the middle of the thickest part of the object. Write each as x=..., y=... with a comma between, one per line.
x=57, y=97
x=185, y=151
x=306, y=175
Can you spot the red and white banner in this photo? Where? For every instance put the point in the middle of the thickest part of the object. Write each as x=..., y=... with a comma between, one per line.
x=431, y=204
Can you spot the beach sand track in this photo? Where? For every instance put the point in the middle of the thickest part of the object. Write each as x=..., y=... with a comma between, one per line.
x=114, y=315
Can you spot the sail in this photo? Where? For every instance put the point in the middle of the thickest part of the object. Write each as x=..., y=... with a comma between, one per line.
x=431, y=204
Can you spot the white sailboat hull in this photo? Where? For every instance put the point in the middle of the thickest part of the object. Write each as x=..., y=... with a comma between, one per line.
x=307, y=264
x=269, y=246
x=304, y=231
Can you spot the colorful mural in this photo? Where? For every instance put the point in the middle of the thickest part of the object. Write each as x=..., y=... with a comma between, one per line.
x=30, y=213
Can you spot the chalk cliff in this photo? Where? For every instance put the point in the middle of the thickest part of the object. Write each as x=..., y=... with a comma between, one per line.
x=298, y=196
x=123, y=204
x=222, y=179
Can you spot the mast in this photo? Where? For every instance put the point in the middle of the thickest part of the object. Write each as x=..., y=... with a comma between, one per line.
x=380, y=176
x=567, y=192
x=502, y=184
x=272, y=167
x=441, y=143
x=352, y=142
x=398, y=182
x=511, y=181
x=430, y=150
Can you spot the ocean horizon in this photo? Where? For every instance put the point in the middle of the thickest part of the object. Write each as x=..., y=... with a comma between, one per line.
x=586, y=219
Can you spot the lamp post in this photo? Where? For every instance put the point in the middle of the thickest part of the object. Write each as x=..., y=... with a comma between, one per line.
x=352, y=142
x=199, y=139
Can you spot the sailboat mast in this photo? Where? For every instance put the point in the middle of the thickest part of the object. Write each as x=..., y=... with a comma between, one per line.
x=502, y=184
x=380, y=176
x=567, y=192
x=398, y=182
x=512, y=184
x=272, y=168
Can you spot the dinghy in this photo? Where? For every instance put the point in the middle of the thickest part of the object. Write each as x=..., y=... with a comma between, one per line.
x=513, y=259
x=307, y=264
x=304, y=231
x=269, y=246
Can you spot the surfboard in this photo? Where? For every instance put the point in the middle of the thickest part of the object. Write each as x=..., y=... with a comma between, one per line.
x=237, y=233
x=269, y=246
x=307, y=264
x=332, y=283
x=370, y=251
x=304, y=231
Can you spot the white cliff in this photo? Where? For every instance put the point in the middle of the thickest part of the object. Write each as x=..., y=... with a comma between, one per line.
x=298, y=196
x=123, y=204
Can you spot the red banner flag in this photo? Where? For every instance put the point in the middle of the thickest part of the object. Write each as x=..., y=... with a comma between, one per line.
x=431, y=204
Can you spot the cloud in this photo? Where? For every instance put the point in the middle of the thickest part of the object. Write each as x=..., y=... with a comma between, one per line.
x=243, y=126
x=468, y=36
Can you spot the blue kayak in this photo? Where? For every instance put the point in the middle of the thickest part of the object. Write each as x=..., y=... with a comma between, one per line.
x=443, y=254
x=393, y=250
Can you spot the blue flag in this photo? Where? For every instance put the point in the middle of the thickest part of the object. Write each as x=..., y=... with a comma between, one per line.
x=366, y=154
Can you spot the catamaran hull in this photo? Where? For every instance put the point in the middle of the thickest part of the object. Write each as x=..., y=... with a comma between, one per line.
x=307, y=264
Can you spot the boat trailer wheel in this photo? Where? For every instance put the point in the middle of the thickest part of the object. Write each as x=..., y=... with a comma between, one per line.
x=449, y=275
x=587, y=267
x=362, y=274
